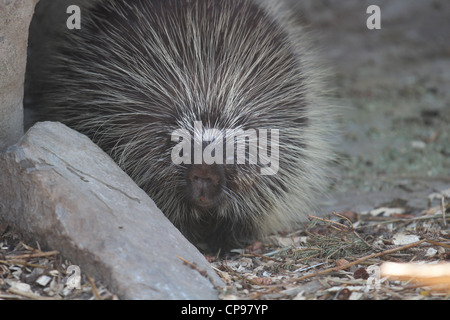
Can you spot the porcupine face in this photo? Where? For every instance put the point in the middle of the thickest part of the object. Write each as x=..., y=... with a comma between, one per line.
x=205, y=184
x=138, y=71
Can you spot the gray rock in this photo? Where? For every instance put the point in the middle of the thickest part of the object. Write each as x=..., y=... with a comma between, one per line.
x=15, y=17
x=59, y=188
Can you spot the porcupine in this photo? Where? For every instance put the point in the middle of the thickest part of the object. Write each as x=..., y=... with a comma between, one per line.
x=139, y=70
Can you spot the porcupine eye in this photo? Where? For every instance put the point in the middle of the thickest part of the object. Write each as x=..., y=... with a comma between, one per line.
x=205, y=185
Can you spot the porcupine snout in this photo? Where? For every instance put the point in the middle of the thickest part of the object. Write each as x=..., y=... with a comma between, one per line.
x=205, y=185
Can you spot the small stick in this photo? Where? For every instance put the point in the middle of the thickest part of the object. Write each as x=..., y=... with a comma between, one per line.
x=30, y=295
x=443, y=210
x=193, y=266
x=94, y=289
x=341, y=227
x=21, y=263
x=388, y=220
x=440, y=244
x=344, y=217
x=204, y=273
x=270, y=290
x=33, y=255
x=348, y=265
x=353, y=228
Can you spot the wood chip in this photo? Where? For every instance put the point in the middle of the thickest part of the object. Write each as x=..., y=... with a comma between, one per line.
x=436, y=276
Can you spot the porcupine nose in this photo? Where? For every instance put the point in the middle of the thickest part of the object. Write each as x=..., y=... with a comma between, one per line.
x=205, y=184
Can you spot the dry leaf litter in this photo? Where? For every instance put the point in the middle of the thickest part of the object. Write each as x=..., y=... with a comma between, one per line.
x=349, y=256
x=26, y=272
x=345, y=256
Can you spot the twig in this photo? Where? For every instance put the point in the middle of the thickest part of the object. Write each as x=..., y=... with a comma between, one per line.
x=281, y=250
x=387, y=220
x=33, y=255
x=23, y=244
x=345, y=218
x=270, y=290
x=94, y=289
x=204, y=273
x=348, y=265
x=30, y=295
x=391, y=177
x=443, y=210
x=21, y=263
x=193, y=266
x=4, y=296
x=335, y=225
x=440, y=244
x=352, y=228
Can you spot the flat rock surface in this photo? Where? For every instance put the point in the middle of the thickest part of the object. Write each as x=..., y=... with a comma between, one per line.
x=60, y=189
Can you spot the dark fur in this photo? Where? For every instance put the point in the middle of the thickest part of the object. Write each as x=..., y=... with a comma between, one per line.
x=138, y=70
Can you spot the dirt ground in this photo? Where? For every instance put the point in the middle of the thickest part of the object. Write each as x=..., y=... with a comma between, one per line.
x=394, y=152
x=394, y=86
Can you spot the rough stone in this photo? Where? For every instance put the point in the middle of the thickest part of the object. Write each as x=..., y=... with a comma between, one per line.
x=60, y=189
x=15, y=17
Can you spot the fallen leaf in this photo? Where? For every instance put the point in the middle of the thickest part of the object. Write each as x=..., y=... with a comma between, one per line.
x=341, y=262
x=402, y=239
x=353, y=216
x=361, y=273
x=263, y=281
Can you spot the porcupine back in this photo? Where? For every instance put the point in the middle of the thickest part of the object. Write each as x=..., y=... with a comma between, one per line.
x=139, y=70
